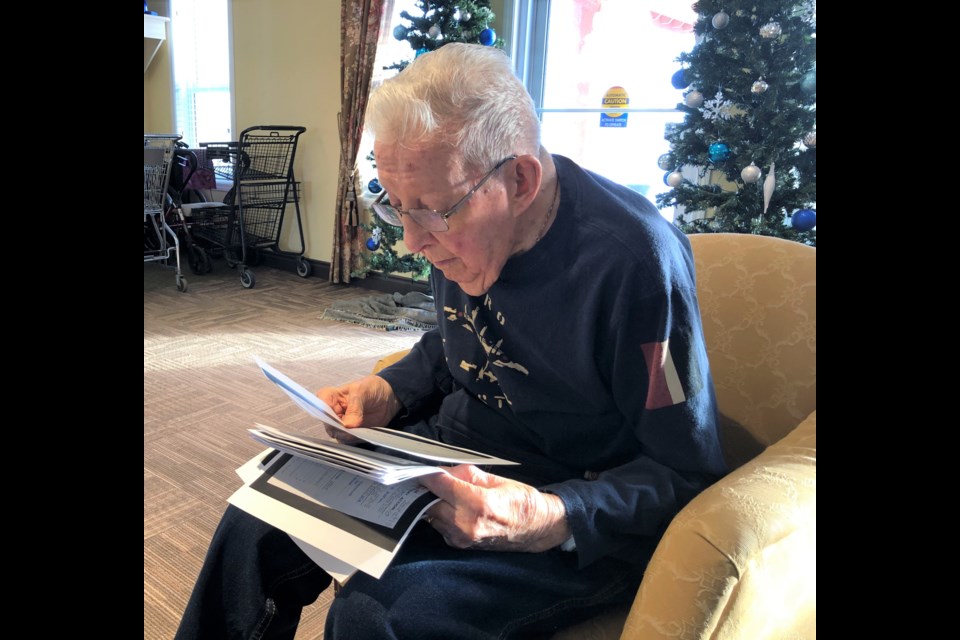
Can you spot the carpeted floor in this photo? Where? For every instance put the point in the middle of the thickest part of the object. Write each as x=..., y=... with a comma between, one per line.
x=202, y=390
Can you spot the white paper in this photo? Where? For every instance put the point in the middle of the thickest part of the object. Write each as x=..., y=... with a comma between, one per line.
x=347, y=492
x=381, y=436
x=349, y=508
x=340, y=541
x=335, y=568
x=383, y=468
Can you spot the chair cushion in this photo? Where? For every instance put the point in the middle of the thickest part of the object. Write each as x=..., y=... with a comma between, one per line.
x=758, y=304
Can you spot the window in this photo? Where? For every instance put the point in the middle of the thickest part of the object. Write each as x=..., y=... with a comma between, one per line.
x=572, y=54
x=201, y=70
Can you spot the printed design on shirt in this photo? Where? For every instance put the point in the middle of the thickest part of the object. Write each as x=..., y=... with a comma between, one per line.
x=665, y=388
x=472, y=321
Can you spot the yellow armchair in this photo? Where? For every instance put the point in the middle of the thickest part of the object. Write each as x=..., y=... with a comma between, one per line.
x=739, y=561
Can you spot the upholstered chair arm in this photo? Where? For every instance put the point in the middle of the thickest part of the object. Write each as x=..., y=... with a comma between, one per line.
x=740, y=560
x=386, y=361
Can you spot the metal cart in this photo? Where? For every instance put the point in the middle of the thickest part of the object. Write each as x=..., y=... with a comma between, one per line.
x=260, y=164
x=160, y=241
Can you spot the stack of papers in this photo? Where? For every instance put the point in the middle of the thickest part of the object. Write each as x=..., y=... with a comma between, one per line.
x=407, y=443
x=380, y=467
x=348, y=507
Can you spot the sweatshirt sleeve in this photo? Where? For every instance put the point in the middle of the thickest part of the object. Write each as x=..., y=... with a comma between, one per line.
x=421, y=374
x=659, y=378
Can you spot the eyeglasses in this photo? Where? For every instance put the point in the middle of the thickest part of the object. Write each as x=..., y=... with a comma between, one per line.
x=428, y=218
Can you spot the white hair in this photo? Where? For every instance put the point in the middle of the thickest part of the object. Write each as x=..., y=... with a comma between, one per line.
x=463, y=95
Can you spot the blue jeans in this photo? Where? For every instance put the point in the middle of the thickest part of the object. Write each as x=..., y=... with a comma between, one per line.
x=255, y=581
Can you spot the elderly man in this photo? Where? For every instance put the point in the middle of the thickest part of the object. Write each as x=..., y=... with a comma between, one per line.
x=569, y=340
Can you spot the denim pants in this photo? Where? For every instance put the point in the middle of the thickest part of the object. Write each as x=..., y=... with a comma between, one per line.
x=255, y=581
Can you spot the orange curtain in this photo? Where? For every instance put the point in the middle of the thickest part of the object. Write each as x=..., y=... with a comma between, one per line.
x=360, y=29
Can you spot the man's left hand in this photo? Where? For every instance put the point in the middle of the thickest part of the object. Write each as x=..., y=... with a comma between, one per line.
x=479, y=510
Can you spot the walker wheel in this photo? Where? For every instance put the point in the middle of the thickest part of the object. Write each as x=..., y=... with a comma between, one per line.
x=304, y=268
x=247, y=279
x=200, y=262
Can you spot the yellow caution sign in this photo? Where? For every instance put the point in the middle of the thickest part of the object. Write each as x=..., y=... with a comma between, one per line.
x=615, y=99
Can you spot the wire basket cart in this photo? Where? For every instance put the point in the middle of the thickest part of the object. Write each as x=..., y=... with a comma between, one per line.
x=260, y=164
x=160, y=241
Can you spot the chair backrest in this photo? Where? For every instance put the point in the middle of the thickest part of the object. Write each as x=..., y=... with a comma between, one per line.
x=758, y=303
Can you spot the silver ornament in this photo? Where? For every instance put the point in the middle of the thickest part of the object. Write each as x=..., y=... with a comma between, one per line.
x=810, y=139
x=750, y=173
x=759, y=86
x=465, y=16
x=434, y=31
x=720, y=20
x=694, y=100
x=769, y=186
x=674, y=179
x=771, y=30
x=664, y=161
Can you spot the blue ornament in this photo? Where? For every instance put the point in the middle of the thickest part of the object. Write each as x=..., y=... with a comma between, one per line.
x=374, y=186
x=373, y=244
x=421, y=51
x=804, y=220
x=488, y=37
x=400, y=32
x=719, y=152
x=679, y=80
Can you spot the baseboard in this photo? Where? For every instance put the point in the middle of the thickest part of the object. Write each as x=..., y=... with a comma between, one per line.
x=385, y=283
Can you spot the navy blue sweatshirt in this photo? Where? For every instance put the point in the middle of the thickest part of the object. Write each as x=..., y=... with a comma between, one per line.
x=585, y=362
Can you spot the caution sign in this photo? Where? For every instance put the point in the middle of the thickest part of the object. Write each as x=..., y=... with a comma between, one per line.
x=615, y=100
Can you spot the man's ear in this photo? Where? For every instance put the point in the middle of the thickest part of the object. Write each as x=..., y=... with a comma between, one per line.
x=523, y=184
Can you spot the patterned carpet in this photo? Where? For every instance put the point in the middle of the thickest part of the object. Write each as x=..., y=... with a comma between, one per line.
x=202, y=390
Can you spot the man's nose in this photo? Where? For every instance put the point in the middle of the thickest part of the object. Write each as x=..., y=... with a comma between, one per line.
x=414, y=236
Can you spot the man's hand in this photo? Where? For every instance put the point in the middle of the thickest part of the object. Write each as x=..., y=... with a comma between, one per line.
x=482, y=511
x=367, y=402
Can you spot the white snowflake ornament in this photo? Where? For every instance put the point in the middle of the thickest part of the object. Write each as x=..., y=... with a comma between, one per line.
x=718, y=108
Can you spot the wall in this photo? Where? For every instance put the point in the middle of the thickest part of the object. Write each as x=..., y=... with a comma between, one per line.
x=158, y=83
x=287, y=71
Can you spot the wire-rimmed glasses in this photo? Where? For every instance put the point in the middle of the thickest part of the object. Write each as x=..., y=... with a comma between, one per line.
x=429, y=219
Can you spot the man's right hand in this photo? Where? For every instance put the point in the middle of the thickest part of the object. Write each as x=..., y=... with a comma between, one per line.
x=367, y=402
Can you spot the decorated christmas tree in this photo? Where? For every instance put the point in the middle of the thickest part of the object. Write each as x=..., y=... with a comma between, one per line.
x=744, y=160
x=383, y=256
x=439, y=23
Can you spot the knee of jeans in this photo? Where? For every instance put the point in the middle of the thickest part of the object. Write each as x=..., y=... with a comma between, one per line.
x=345, y=616
x=301, y=586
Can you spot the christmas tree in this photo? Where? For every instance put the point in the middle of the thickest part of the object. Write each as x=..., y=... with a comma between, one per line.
x=750, y=98
x=440, y=23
